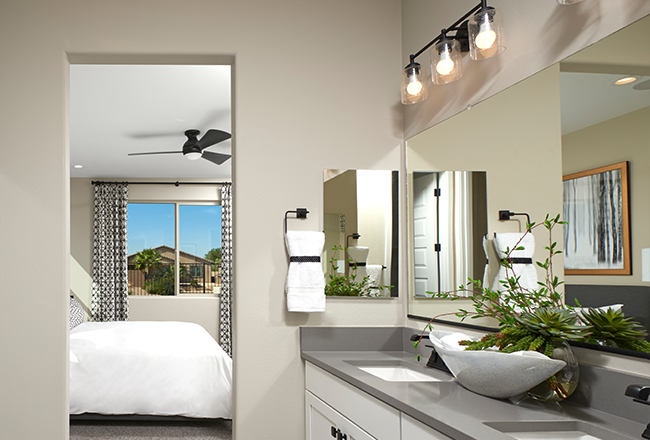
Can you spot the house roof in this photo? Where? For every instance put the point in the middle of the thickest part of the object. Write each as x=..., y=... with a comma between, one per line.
x=163, y=248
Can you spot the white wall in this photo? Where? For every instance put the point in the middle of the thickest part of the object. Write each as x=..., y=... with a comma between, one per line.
x=298, y=110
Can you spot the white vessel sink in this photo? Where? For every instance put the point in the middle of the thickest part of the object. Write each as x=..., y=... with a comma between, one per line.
x=558, y=430
x=399, y=374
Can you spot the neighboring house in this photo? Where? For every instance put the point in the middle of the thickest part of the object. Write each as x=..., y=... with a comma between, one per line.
x=200, y=275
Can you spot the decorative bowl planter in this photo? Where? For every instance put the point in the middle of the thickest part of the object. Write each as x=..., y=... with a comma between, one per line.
x=493, y=373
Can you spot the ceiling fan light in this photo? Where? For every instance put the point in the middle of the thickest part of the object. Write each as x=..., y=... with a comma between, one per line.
x=193, y=155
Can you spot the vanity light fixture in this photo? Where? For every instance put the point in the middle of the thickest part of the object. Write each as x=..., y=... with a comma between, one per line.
x=482, y=35
x=568, y=2
x=78, y=166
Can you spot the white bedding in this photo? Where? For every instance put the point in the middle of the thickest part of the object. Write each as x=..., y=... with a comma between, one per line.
x=152, y=368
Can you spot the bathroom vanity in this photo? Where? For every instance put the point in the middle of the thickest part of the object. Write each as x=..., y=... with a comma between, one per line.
x=363, y=383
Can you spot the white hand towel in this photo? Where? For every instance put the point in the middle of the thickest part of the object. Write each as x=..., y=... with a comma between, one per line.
x=305, y=281
x=374, y=272
x=526, y=271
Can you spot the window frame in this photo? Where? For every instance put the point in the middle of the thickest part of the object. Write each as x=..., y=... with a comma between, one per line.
x=177, y=204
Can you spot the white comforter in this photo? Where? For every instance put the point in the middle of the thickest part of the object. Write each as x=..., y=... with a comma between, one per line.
x=153, y=368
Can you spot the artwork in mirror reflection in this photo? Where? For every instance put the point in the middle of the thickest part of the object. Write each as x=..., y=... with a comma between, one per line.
x=449, y=220
x=361, y=236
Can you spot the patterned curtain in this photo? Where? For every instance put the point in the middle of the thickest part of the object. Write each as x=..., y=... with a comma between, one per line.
x=110, y=293
x=225, y=323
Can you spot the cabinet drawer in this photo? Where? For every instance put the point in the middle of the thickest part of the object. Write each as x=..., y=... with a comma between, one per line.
x=415, y=430
x=323, y=421
x=375, y=417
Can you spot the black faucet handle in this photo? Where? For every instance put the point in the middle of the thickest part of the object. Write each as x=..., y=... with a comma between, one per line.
x=639, y=393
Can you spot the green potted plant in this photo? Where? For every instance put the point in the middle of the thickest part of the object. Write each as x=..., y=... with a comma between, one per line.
x=537, y=319
x=349, y=285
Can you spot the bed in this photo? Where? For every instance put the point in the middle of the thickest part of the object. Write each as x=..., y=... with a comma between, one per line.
x=148, y=368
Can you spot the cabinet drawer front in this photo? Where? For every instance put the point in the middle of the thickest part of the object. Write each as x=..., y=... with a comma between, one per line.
x=415, y=430
x=322, y=418
x=378, y=419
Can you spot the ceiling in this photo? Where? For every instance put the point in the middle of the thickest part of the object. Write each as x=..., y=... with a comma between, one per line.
x=591, y=98
x=121, y=109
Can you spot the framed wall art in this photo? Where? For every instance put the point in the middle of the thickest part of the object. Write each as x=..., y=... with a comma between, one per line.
x=597, y=233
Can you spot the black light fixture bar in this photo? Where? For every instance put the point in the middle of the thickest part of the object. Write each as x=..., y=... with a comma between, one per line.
x=453, y=27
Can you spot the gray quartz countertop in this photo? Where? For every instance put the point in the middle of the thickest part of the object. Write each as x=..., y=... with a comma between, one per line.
x=445, y=405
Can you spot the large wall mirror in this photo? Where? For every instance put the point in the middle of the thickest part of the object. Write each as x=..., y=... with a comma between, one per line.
x=571, y=117
x=361, y=225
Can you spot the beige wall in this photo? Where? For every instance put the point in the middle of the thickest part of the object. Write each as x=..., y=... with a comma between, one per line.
x=295, y=114
x=287, y=128
x=521, y=152
x=626, y=138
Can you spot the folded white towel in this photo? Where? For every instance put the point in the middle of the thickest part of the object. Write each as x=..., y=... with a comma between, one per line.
x=525, y=271
x=305, y=280
x=374, y=271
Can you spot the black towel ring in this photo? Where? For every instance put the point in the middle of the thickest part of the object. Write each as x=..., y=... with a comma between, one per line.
x=300, y=213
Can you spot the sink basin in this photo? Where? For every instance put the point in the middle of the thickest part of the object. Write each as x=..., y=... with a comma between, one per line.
x=562, y=430
x=398, y=374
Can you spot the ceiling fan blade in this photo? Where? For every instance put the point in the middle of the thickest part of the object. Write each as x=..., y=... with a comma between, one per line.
x=155, y=152
x=155, y=135
x=216, y=158
x=212, y=137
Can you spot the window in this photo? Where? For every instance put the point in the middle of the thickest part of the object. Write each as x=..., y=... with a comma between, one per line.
x=174, y=248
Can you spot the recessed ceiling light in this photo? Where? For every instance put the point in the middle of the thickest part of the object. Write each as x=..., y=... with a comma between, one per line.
x=625, y=80
x=78, y=166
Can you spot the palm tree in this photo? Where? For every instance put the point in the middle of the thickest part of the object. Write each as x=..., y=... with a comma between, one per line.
x=146, y=259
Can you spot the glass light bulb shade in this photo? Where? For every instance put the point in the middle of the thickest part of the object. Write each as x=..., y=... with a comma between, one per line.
x=193, y=155
x=568, y=2
x=486, y=34
x=414, y=84
x=446, y=62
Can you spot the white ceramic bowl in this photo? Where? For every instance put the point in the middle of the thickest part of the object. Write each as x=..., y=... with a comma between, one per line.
x=495, y=374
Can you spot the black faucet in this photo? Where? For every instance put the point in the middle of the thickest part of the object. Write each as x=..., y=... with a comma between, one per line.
x=640, y=394
x=435, y=361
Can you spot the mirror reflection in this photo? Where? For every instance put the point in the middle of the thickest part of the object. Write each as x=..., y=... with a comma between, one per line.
x=569, y=118
x=449, y=224
x=361, y=240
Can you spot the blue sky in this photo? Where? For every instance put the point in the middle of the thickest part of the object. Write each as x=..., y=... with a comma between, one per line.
x=152, y=224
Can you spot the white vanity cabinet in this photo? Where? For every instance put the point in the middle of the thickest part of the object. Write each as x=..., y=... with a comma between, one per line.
x=335, y=409
x=325, y=423
x=415, y=430
x=334, y=402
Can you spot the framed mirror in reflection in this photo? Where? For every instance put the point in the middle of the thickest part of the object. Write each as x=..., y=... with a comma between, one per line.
x=566, y=119
x=449, y=224
x=360, y=257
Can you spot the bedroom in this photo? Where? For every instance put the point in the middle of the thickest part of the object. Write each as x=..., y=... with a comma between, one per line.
x=284, y=142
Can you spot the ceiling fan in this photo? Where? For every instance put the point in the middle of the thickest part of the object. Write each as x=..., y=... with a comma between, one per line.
x=194, y=148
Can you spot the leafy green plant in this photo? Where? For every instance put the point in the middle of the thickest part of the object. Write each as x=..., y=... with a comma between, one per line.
x=612, y=328
x=530, y=319
x=342, y=285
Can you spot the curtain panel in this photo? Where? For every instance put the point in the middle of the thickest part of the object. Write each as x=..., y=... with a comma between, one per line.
x=110, y=289
x=225, y=322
